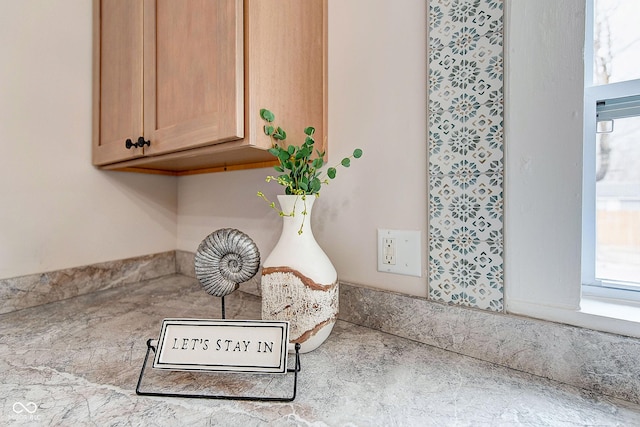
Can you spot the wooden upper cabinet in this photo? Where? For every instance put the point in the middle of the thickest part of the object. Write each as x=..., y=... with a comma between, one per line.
x=190, y=77
x=193, y=74
x=117, y=92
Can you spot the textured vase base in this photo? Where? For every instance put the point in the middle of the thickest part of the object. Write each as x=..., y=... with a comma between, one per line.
x=299, y=282
x=315, y=341
x=310, y=308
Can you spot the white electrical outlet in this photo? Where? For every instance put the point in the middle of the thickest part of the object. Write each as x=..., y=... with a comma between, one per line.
x=389, y=249
x=399, y=251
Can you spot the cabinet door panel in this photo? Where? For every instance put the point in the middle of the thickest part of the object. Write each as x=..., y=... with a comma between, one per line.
x=286, y=44
x=193, y=73
x=118, y=83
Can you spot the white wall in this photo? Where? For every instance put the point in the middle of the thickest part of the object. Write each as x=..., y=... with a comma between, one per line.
x=543, y=150
x=377, y=101
x=543, y=174
x=56, y=210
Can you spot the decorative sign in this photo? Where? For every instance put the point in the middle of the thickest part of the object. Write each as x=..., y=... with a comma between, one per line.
x=256, y=346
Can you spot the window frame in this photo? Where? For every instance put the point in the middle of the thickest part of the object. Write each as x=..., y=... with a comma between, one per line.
x=591, y=285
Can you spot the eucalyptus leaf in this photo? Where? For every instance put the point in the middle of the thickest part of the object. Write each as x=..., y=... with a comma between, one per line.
x=303, y=153
x=275, y=151
x=283, y=156
x=300, y=174
x=280, y=134
x=315, y=185
x=267, y=115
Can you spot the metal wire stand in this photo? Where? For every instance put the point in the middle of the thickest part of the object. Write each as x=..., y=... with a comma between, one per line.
x=295, y=371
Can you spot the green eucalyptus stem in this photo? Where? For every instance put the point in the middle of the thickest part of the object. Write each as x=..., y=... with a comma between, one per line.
x=293, y=212
x=300, y=175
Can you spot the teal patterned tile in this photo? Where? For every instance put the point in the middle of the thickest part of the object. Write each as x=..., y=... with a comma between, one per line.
x=441, y=122
x=464, y=107
x=471, y=275
x=443, y=187
x=465, y=74
x=442, y=221
x=466, y=207
x=488, y=17
x=441, y=262
x=464, y=141
x=464, y=10
x=488, y=289
x=487, y=48
x=463, y=154
x=488, y=83
x=490, y=51
x=492, y=6
x=439, y=20
x=463, y=41
x=465, y=148
x=489, y=221
x=480, y=147
x=483, y=120
x=436, y=79
x=445, y=93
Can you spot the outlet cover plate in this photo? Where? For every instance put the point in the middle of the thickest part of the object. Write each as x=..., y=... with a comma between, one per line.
x=408, y=256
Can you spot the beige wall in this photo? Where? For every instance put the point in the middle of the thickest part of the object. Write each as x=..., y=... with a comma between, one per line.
x=377, y=101
x=56, y=210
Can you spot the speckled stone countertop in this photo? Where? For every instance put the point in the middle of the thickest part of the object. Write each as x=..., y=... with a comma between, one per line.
x=76, y=362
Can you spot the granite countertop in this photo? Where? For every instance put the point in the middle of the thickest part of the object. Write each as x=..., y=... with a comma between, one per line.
x=76, y=362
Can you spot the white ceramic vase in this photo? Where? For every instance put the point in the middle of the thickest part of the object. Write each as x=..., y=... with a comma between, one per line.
x=299, y=282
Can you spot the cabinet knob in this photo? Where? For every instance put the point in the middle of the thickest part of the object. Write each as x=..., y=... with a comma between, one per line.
x=141, y=143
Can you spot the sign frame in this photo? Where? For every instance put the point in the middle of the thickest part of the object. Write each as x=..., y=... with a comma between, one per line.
x=212, y=345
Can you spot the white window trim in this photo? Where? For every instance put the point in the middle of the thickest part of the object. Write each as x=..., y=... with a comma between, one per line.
x=592, y=95
x=591, y=286
x=601, y=308
x=544, y=147
x=542, y=260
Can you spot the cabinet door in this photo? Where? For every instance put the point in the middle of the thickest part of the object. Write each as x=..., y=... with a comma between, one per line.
x=117, y=87
x=193, y=74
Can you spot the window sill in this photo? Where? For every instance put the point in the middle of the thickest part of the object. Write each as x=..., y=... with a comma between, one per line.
x=628, y=311
x=597, y=313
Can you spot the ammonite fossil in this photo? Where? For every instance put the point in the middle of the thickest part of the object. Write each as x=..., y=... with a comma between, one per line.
x=224, y=259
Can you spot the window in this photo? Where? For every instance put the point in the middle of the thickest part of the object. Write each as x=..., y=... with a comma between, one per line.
x=611, y=197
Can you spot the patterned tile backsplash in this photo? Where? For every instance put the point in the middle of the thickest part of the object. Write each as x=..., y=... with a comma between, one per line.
x=466, y=152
